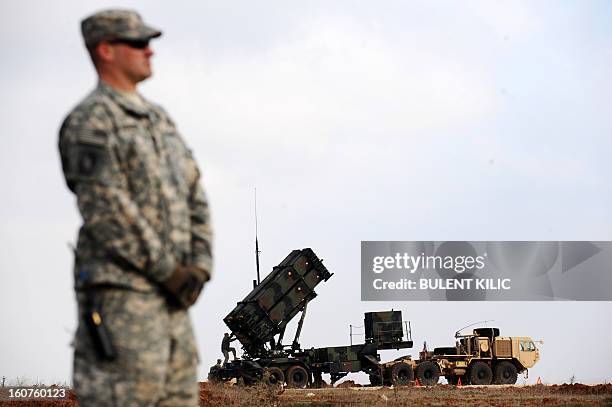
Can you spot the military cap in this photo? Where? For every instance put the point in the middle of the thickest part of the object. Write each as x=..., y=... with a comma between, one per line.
x=116, y=24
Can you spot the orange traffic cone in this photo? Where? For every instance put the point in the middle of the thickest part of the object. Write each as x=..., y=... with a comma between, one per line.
x=539, y=380
x=459, y=382
x=417, y=383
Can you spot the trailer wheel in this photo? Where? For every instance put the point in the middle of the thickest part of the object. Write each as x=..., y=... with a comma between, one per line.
x=213, y=375
x=273, y=376
x=375, y=380
x=401, y=374
x=480, y=373
x=428, y=373
x=297, y=377
x=505, y=373
x=247, y=380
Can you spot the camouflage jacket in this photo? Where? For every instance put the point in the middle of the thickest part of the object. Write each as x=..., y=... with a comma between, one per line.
x=138, y=191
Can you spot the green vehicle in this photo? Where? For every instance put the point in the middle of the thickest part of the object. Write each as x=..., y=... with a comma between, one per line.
x=260, y=319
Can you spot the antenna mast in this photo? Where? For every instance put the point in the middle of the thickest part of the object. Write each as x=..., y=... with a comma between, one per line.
x=475, y=323
x=256, y=241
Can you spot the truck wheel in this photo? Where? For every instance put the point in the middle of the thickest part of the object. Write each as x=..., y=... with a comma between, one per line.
x=453, y=380
x=297, y=377
x=428, y=373
x=273, y=376
x=505, y=373
x=401, y=374
x=317, y=380
x=480, y=373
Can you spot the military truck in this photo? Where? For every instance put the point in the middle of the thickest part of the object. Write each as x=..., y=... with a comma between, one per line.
x=260, y=319
x=480, y=358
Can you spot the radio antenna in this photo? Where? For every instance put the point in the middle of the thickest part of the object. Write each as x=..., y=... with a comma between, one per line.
x=256, y=241
x=475, y=323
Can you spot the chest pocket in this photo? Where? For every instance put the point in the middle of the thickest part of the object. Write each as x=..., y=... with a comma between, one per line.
x=140, y=156
x=176, y=159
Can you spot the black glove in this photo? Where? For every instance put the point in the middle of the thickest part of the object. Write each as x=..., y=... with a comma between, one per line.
x=185, y=284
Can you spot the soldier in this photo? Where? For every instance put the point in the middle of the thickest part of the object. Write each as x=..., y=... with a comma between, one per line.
x=212, y=373
x=144, y=249
x=226, y=348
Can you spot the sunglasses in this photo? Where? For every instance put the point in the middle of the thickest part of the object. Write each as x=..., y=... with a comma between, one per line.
x=137, y=44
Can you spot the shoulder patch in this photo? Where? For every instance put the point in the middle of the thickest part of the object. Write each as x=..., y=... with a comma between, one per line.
x=86, y=155
x=92, y=137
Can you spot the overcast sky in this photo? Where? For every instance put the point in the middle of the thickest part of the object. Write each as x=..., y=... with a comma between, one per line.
x=397, y=120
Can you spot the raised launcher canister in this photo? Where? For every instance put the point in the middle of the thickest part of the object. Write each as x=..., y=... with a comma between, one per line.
x=268, y=308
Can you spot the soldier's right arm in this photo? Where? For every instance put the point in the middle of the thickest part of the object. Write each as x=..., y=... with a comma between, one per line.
x=93, y=171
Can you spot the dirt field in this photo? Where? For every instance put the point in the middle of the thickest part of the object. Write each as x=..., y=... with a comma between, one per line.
x=441, y=395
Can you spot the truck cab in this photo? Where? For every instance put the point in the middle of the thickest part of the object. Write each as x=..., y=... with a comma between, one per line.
x=526, y=351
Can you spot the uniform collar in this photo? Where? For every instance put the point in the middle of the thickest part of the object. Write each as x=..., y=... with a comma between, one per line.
x=121, y=100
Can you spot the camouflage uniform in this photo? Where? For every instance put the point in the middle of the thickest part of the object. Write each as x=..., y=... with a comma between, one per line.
x=144, y=213
x=226, y=348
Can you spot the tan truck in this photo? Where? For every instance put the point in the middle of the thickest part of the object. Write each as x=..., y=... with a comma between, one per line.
x=482, y=357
